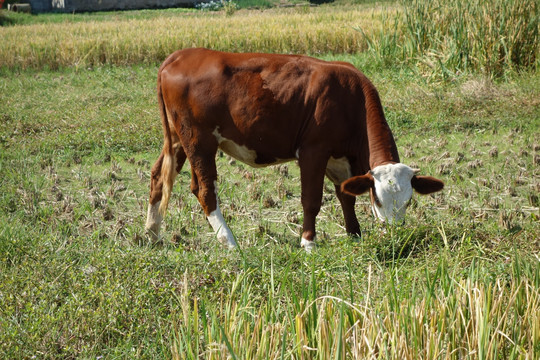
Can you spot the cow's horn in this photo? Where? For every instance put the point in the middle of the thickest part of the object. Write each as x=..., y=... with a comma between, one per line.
x=416, y=171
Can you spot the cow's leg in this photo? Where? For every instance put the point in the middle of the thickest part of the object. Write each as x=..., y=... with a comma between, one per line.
x=312, y=170
x=347, y=205
x=203, y=186
x=155, y=216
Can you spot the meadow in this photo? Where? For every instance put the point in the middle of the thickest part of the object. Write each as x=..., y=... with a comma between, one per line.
x=80, y=130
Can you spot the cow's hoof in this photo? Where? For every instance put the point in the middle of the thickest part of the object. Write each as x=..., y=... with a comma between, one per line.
x=228, y=241
x=308, y=245
x=152, y=234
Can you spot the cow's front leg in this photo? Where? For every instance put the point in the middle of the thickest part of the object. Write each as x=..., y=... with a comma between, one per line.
x=347, y=205
x=312, y=170
x=204, y=187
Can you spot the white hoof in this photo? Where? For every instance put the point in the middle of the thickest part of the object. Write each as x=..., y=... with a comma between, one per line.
x=308, y=245
x=227, y=240
x=152, y=233
x=223, y=233
x=153, y=221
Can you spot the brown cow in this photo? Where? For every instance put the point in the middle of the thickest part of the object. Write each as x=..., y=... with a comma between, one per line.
x=265, y=109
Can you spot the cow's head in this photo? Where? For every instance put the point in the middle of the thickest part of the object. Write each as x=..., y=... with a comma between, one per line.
x=391, y=187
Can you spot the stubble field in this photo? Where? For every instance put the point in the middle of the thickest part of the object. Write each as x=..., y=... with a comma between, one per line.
x=78, y=278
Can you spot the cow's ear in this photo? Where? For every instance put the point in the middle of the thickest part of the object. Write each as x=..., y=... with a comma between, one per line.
x=426, y=184
x=357, y=185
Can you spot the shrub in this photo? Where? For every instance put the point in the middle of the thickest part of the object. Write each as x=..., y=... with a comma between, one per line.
x=229, y=6
x=214, y=5
x=211, y=5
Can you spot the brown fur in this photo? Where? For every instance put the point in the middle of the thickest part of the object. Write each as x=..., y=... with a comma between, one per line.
x=277, y=107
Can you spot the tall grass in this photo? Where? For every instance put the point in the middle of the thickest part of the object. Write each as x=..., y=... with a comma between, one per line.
x=151, y=40
x=486, y=35
x=442, y=37
x=452, y=36
x=444, y=318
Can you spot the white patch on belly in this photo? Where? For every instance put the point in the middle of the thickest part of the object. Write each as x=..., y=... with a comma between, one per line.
x=338, y=170
x=241, y=152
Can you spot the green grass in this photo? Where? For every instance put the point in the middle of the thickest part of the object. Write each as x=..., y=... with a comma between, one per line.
x=12, y=19
x=78, y=278
x=448, y=38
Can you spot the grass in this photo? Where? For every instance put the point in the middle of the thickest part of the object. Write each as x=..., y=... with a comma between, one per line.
x=442, y=317
x=78, y=279
x=444, y=38
x=133, y=41
x=21, y=19
x=457, y=36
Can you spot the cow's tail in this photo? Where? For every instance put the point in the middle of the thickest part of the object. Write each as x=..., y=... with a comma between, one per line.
x=167, y=165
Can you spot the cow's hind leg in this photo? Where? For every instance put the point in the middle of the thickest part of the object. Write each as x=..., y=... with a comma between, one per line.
x=203, y=186
x=164, y=171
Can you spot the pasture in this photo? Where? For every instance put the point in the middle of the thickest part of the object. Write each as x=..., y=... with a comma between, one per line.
x=80, y=130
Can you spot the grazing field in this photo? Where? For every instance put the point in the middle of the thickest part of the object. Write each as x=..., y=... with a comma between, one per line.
x=78, y=278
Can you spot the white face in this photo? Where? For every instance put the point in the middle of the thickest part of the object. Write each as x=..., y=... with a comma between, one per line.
x=394, y=191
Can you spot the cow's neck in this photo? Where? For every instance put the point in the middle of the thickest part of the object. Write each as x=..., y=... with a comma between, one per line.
x=382, y=147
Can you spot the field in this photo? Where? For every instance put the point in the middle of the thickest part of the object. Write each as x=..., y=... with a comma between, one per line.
x=87, y=43
x=80, y=130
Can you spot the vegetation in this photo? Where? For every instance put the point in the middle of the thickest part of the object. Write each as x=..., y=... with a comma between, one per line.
x=456, y=36
x=444, y=38
x=127, y=42
x=78, y=278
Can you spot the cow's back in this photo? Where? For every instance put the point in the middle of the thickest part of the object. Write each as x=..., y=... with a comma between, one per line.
x=266, y=102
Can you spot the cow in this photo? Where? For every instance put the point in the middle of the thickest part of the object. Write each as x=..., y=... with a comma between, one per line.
x=266, y=109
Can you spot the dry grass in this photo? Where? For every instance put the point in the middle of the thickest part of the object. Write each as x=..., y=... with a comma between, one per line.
x=312, y=30
x=445, y=319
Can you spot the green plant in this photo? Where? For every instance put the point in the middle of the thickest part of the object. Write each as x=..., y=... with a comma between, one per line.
x=457, y=36
x=483, y=35
x=230, y=7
